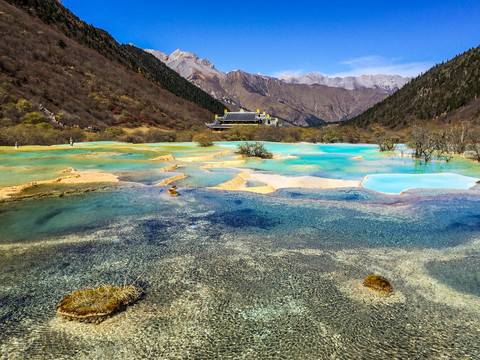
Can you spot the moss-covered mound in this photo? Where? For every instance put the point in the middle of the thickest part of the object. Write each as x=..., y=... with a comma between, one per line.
x=95, y=305
x=378, y=283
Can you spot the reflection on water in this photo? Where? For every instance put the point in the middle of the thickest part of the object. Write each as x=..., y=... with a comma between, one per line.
x=237, y=275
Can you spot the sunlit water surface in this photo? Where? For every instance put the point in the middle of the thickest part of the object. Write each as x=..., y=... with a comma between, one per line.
x=239, y=275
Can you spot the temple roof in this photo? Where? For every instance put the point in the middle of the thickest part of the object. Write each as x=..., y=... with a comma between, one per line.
x=240, y=116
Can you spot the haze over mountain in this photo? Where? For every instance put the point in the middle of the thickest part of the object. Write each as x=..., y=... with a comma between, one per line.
x=302, y=101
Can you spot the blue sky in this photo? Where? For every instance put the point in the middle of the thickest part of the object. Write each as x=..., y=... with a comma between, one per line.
x=274, y=37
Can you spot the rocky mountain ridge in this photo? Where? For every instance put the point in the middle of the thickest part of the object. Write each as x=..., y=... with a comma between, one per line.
x=296, y=103
x=387, y=83
x=186, y=64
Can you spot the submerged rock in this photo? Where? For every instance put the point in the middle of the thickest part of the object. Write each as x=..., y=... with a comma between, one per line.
x=95, y=305
x=378, y=283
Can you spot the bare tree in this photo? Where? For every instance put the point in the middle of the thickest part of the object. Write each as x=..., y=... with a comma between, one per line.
x=423, y=141
x=474, y=143
x=385, y=141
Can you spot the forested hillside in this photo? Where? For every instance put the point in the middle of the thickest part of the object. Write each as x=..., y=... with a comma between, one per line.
x=52, y=87
x=446, y=93
x=51, y=12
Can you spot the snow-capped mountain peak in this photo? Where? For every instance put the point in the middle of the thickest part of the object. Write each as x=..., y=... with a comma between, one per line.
x=186, y=63
x=387, y=83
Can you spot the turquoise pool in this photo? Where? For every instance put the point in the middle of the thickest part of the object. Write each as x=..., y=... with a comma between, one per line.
x=388, y=172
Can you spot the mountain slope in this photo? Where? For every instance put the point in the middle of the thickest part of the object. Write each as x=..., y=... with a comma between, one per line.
x=186, y=64
x=53, y=13
x=41, y=66
x=299, y=104
x=446, y=93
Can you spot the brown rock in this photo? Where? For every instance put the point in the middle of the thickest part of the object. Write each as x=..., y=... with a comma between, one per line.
x=172, y=191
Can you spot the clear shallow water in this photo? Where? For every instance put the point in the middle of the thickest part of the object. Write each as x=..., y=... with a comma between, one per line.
x=242, y=275
x=239, y=275
x=466, y=281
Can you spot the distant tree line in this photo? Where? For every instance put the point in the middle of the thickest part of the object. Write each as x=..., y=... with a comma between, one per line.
x=428, y=141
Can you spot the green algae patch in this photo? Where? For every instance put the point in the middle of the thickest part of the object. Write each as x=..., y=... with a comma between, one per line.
x=378, y=283
x=95, y=305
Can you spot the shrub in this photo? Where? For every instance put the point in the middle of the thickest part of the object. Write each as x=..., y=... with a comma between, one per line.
x=155, y=135
x=77, y=134
x=44, y=126
x=61, y=44
x=331, y=135
x=33, y=118
x=203, y=139
x=23, y=105
x=4, y=122
x=112, y=131
x=240, y=133
x=184, y=136
x=255, y=149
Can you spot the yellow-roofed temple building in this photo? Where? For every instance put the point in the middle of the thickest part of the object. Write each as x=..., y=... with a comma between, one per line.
x=230, y=119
